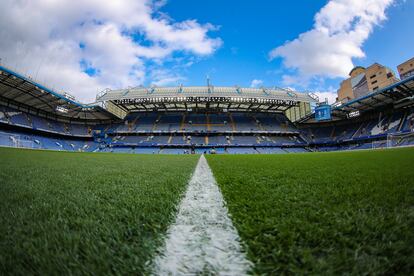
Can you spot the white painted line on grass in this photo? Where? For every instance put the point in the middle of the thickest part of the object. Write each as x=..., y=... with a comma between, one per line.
x=203, y=238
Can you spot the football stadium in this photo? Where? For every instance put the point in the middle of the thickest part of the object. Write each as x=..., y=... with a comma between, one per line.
x=310, y=187
x=205, y=119
x=207, y=180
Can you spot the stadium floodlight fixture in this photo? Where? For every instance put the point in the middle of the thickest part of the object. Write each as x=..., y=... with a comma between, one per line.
x=292, y=94
x=314, y=96
x=39, y=89
x=68, y=96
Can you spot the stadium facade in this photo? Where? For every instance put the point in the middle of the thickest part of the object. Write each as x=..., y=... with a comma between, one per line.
x=209, y=119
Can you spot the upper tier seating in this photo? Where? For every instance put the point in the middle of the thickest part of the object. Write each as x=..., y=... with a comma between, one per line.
x=202, y=122
x=16, y=139
x=15, y=117
x=397, y=122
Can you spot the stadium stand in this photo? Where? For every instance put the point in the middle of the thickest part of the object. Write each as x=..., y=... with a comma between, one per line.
x=217, y=120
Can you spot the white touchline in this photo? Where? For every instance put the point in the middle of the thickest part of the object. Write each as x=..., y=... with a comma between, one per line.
x=202, y=238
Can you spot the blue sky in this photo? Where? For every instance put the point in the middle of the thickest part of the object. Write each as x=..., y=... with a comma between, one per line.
x=249, y=30
x=392, y=43
x=85, y=46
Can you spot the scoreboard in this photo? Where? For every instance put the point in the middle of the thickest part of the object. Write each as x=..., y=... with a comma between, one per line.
x=323, y=112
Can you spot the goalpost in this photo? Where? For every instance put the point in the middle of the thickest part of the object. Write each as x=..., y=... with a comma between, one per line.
x=379, y=144
x=399, y=140
x=17, y=142
x=394, y=140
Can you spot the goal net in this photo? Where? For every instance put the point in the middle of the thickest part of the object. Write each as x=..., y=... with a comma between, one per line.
x=379, y=144
x=18, y=142
x=399, y=140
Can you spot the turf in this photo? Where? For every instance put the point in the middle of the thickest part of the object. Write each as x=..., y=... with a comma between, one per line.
x=80, y=213
x=323, y=213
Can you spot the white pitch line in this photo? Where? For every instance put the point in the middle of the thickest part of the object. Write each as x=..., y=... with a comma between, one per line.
x=203, y=239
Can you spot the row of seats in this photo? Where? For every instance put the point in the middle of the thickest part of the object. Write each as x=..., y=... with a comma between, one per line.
x=24, y=140
x=401, y=121
x=395, y=142
x=203, y=122
x=207, y=140
x=213, y=150
x=18, y=118
x=398, y=122
x=172, y=122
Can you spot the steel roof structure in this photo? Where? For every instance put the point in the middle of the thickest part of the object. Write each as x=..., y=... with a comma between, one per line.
x=395, y=94
x=27, y=95
x=204, y=98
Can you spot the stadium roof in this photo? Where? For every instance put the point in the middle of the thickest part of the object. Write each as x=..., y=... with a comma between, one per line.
x=23, y=93
x=399, y=94
x=395, y=94
x=204, y=97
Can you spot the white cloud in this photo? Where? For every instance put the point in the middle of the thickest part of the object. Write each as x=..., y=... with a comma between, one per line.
x=330, y=96
x=163, y=77
x=256, y=83
x=340, y=29
x=53, y=41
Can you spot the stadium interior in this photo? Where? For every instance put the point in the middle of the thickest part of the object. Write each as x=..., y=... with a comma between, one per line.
x=207, y=119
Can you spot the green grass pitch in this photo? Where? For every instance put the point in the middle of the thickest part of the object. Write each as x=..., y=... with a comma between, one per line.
x=323, y=213
x=315, y=213
x=80, y=213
